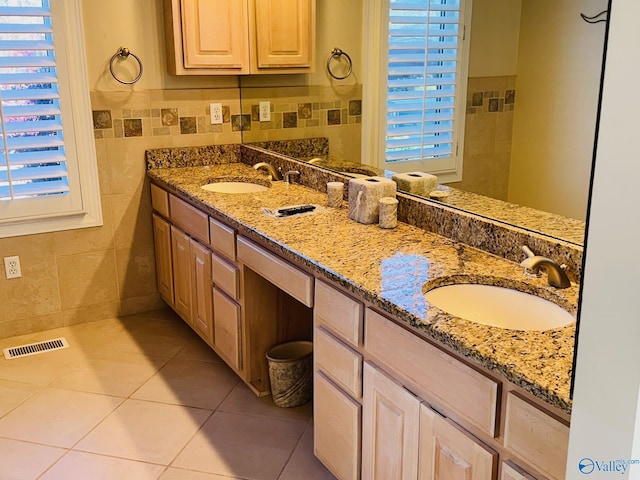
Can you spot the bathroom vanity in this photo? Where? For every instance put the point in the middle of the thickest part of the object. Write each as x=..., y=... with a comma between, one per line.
x=402, y=390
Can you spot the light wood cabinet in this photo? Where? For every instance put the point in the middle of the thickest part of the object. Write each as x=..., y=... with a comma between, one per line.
x=164, y=268
x=213, y=34
x=509, y=472
x=447, y=453
x=189, y=218
x=226, y=276
x=339, y=313
x=227, y=329
x=279, y=272
x=390, y=428
x=181, y=262
x=237, y=37
x=201, y=300
x=338, y=361
x=337, y=428
x=448, y=384
x=536, y=437
x=283, y=35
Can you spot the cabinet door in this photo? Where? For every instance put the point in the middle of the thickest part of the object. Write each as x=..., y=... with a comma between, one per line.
x=284, y=34
x=509, y=472
x=447, y=453
x=390, y=429
x=164, y=269
x=337, y=425
x=210, y=35
x=227, y=329
x=181, y=261
x=201, y=306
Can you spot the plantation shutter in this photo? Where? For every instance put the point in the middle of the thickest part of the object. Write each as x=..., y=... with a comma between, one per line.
x=425, y=39
x=33, y=162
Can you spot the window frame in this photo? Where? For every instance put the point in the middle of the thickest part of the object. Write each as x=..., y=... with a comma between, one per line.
x=77, y=118
x=374, y=121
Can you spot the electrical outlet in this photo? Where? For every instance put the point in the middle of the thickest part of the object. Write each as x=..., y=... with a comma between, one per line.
x=265, y=111
x=12, y=267
x=216, y=113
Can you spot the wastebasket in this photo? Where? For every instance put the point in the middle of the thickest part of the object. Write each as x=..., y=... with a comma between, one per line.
x=291, y=373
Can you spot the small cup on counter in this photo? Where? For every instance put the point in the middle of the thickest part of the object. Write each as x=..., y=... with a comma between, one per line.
x=388, y=212
x=335, y=193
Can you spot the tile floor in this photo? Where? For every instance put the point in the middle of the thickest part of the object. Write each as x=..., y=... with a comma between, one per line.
x=141, y=398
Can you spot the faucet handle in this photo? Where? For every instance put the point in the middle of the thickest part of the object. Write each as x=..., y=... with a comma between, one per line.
x=288, y=174
x=528, y=252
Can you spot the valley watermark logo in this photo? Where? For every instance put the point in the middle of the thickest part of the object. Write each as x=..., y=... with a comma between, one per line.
x=587, y=466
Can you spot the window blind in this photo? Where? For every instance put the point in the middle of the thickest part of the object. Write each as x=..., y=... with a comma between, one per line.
x=424, y=48
x=32, y=162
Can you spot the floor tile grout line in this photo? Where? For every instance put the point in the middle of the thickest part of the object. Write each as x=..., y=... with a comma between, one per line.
x=31, y=395
x=203, y=424
x=284, y=467
x=53, y=464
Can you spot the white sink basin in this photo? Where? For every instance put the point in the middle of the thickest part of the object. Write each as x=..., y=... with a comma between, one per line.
x=499, y=307
x=234, y=187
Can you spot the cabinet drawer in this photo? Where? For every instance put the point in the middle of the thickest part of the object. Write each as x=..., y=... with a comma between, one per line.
x=537, y=437
x=227, y=329
x=223, y=238
x=160, y=200
x=279, y=272
x=193, y=221
x=340, y=313
x=337, y=426
x=339, y=362
x=225, y=276
x=433, y=374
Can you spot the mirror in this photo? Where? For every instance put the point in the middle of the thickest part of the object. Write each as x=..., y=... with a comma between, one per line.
x=532, y=97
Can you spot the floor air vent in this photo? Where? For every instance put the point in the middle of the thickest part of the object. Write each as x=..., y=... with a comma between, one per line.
x=35, y=348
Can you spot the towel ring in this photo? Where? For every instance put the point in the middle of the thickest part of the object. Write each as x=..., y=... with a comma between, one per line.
x=124, y=52
x=337, y=53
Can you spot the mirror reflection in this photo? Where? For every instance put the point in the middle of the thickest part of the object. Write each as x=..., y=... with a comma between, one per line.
x=531, y=99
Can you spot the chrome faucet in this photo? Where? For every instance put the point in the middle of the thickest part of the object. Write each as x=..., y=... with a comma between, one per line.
x=555, y=273
x=275, y=174
x=287, y=175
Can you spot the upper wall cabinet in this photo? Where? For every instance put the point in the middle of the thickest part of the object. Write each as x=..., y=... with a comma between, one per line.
x=239, y=37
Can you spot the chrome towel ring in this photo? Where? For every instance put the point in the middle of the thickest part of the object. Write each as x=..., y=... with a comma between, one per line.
x=123, y=53
x=336, y=53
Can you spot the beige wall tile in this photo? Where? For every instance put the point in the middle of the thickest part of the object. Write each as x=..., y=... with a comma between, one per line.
x=479, y=135
x=136, y=271
x=30, y=324
x=35, y=294
x=31, y=247
x=70, y=242
x=126, y=163
x=103, y=167
x=504, y=132
x=87, y=279
x=129, y=306
x=91, y=313
x=131, y=216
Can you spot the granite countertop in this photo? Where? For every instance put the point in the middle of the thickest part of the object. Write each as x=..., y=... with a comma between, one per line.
x=392, y=269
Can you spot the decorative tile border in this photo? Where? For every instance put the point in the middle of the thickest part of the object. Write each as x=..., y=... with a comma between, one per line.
x=305, y=114
x=125, y=123
x=500, y=96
